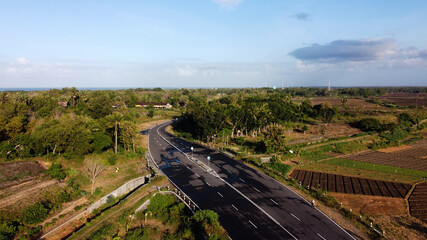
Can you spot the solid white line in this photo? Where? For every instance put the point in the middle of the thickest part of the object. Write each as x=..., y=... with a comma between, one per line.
x=235, y=189
x=321, y=236
x=234, y=207
x=307, y=203
x=256, y=189
x=252, y=223
x=274, y=201
x=242, y=180
x=220, y=194
x=208, y=184
x=197, y=175
x=295, y=217
x=257, y=206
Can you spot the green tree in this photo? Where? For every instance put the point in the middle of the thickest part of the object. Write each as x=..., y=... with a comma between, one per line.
x=100, y=141
x=273, y=138
x=100, y=105
x=113, y=120
x=35, y=213
x=56, y=171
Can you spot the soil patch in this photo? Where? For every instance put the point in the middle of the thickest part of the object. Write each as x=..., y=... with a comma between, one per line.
x=395, y=149
x=406, y=99
x=418, y=202
x=372, y=205
x=14, y=173
x=407, y=158
x=350, y=185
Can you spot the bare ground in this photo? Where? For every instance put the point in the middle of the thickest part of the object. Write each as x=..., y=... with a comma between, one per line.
x=25, y=192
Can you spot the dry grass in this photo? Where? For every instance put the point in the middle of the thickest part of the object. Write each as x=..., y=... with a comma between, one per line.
x=372, y=205
x=395, y=149
x=402, y=227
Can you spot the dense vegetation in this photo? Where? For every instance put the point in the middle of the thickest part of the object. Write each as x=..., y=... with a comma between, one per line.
x=79, y=124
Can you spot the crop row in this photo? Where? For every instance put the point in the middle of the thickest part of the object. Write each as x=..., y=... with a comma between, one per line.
x=417, y=202
x=350, y=185
x=393, y=159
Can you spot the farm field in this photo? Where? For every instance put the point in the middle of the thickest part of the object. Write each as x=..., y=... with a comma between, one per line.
x=350, y=185
x=352, y=103
x=413, y=157
x=418, y=202
x=405, y=99
x=14, y=173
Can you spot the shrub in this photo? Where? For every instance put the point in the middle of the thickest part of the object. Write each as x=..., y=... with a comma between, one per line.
x=34, y=231
x=112, y=160
x=34, y=214
x=280, y=167
x=349, y=147
x=255, y=161
x=7, y=230
x=56, y=171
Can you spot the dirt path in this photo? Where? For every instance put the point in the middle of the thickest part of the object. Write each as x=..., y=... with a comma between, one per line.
x=25, y=193
x=337, y=141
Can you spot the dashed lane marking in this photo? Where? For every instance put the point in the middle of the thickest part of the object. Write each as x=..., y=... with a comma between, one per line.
x=242, y=180
x=295, y=217
x=321, y=236
x=197, y=175
x=256, y=189
x=274, y=201
x=220, y=194
x=252, y=224
x=208, y=184
x=234, y=207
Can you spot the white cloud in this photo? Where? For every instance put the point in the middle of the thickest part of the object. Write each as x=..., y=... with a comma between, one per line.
x=357, y=55
x=227, y=4
x=22, y=61
x=184, y=71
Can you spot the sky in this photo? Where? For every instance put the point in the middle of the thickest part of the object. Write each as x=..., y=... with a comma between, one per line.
x=212, y=43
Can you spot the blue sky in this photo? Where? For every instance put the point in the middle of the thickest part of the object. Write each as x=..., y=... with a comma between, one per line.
x=212, y=43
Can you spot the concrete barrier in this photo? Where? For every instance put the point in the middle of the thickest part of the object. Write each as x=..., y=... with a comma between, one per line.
x=123, y=190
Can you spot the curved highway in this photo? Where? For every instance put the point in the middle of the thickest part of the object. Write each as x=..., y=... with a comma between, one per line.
x=250, y=204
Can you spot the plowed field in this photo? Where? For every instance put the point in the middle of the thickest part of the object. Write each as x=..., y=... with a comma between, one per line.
x=351, y=185
x=14, y=173
x=414, y=157
x=418, y=202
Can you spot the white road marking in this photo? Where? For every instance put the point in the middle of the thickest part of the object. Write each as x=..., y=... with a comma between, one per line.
x=234, y=207
x=197, y=175
x=188, y=167
x=208, y=184
x=220, y=194
x=229, y=172
x=321, y=236
x=243, y=195
x=274, y=201
x=217, y=165
x=256, y=189
x=242, y=180
x=164, y=148
x=295, y=217
x=252, y=224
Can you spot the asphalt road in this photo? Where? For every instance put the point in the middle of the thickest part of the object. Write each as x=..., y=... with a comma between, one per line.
x=250, y=204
